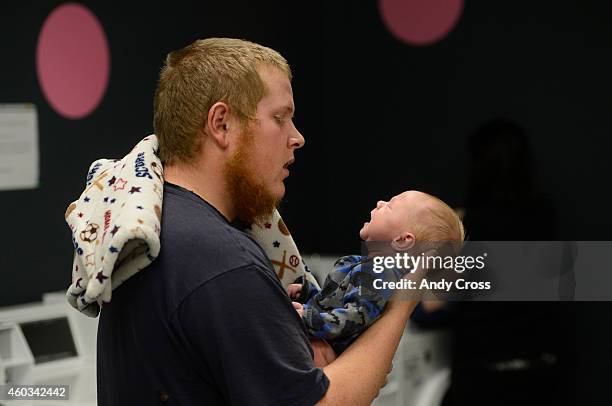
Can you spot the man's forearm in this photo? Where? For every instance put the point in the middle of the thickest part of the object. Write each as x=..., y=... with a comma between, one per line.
x=359, y=373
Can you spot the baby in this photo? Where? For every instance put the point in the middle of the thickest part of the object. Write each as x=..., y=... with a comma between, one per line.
x=347, y=304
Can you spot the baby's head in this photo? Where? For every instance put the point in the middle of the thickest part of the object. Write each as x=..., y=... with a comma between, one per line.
x=410, y=217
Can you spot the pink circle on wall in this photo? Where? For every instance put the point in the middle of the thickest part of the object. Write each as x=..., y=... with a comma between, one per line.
x=72, y=60
x=420, y=22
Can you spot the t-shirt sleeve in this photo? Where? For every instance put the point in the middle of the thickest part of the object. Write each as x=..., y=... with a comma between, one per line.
x=244, y=331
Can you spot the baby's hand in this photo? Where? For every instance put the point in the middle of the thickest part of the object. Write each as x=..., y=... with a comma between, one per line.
x=294, y=290
x=298, y=307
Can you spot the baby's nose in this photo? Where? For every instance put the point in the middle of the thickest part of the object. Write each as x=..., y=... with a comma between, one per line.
x=380, y=204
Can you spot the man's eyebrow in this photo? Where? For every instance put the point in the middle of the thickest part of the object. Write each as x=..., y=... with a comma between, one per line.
x=288, y=109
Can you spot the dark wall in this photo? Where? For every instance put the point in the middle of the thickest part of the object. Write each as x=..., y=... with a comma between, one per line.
x=379, y=117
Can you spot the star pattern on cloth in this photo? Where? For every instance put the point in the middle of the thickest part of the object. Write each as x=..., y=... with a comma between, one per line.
x=276, y=244
x=140, y=193
x=100, y=277
x=120, y=184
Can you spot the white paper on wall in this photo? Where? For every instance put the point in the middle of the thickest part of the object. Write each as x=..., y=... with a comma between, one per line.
x=19, y=164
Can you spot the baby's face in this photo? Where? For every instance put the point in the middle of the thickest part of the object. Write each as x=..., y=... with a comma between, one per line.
x=390, y=219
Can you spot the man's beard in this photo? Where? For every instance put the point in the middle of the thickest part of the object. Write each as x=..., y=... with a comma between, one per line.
x=252, y=201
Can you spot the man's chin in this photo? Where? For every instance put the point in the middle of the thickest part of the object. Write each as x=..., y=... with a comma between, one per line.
x=253, y=203
x=279, y=192
x=254, y=200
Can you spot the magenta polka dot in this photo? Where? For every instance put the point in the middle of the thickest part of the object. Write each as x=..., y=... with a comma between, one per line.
x=73, y=60
x=420, y=22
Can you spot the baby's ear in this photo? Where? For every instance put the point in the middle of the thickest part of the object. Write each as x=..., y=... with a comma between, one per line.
x=403, y=242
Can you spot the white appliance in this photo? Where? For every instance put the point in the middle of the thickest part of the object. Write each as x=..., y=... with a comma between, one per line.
x=49, y=343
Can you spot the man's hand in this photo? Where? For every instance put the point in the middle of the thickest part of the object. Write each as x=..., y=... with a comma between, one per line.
x=357, y=375
x=298, y=307
x=294, y=290
x=323, y=352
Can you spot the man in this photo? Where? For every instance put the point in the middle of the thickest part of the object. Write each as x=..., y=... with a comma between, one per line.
x=208, y=323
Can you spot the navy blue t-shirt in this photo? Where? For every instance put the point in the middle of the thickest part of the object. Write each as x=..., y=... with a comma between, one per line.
x=208, y=323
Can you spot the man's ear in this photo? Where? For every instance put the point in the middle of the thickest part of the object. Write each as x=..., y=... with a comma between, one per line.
x=218, y=124
x=403, y=242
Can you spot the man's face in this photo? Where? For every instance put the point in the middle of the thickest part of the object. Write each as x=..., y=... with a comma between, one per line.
x=265, y=149
x=275, y=135
x=389, y=219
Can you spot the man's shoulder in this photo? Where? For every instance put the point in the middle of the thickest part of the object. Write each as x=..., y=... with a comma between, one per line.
x=199, y=240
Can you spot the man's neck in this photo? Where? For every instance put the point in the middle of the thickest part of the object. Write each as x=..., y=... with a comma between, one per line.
x=206, y=182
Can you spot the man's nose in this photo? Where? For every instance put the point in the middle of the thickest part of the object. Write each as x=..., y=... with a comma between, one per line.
x=296, y=140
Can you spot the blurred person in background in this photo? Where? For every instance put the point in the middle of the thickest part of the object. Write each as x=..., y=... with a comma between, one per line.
x=506, y=352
